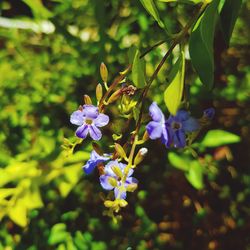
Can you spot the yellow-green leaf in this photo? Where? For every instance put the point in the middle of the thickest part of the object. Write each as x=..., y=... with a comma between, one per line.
x=18, y=213
x=173, y=93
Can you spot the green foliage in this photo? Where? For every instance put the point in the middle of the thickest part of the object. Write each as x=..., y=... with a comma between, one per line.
x=215, y=138
x=174, y=91
x=201, y=45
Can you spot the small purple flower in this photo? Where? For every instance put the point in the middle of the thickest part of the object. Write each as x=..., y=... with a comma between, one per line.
x=209, y=113
x=157, y=128
x=94, y=160
x=89, y=119
x=111, y=179
x=178, y=126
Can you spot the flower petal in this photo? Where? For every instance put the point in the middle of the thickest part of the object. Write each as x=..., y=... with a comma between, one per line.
x=90, y=111
x=77, y=118
x=179, y=138
x=209, y=113
x=105, y=183
x=165, y=137
x=131, y=180
x=122, y=194
x=154, y=130
x=182, y=115
x=101, y=120
x=190, y=125
x=89, y=166
x=155, y=112
x=82, y=131
x=95, y=133
x=108, y=168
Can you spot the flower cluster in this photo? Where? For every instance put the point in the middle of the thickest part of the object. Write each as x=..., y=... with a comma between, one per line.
x=173, y=130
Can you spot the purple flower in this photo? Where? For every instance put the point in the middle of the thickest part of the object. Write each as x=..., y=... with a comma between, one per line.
x=178, y=126
x=157, y=128
x=209, y=113
x=94, y=160
x=89, y=119
x=112, y=179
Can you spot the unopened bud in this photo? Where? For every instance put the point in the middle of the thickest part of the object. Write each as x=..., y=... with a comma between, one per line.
x=87, y=99
x=117, y=171
x=108, y=203
x=140, y=156
x=112, y=181
x=209, y=113
x=119, y=149
x=98, y=92
x=114, y=96
x=145, y=136
x=104, y=72
x=131, y=187
x=123, y=203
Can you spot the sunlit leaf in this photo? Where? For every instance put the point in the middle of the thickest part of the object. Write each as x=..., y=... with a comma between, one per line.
x=173, y=93
x=138, y=70
x=18, y=213
x=215, y=138
x=182, y=1
x=195, y=175
x=149, y=5
x=179, y=161
x=201, y=45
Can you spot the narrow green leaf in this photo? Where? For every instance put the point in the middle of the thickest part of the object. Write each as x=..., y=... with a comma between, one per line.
x=182, y=1
x=149, y=5
x=138, y=70
x=195, y=175
x=173, y=93
x=215, y=138
x=38, y=9
x=228, y=15
x=201, y=45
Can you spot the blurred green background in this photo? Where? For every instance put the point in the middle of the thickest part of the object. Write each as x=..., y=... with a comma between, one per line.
x=49, y=58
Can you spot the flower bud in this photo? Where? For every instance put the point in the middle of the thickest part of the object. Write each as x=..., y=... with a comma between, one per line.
x=140, y=155
x=112, y=181
x=87, y=99
x=209, y=113
x=131, y=187
x=108, y=203
x=104, y=72
x=145, y=136
x=119, y=149
x=117, y=171
x=98, y=91
x=114, y=96
x=123, y=203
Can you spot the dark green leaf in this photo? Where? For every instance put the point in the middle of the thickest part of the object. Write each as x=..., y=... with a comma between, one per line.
x=201, y=45
x=228, y=15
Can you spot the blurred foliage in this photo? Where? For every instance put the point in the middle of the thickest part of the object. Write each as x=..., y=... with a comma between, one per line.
x=50, y=55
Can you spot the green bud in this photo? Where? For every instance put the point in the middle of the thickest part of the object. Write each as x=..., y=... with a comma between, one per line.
x=108, y=203
x=114, y=96
x=112, y=181
x=98, y=92
x=131, y=187
x=117, y=171
x=123, y=203
x=119, y=149
x=104, y=72
x=140, y=155
x=87, y=99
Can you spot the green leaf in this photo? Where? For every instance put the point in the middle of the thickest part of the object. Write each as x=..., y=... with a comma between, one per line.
x=201, y=45
x=195, y=175
x=138, y=70
x=179, y=161
x=215, y=138
x=228, y=16
x=58, y=234
x=150, y=6
x=38, y=9
x=173, y=93
x=18, y=213
x=182, y=1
